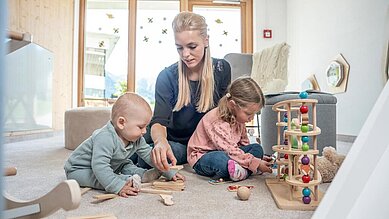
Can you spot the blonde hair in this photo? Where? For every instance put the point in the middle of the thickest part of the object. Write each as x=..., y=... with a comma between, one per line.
x=127, y=105
x=243, y=91
x=189, y=21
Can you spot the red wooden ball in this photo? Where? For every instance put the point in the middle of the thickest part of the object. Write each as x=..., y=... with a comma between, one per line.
x=304, y=109
x=306, y=178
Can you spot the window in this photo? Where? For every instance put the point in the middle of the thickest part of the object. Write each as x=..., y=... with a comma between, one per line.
x=105, y=51
x=155, y=47
x=124, y=44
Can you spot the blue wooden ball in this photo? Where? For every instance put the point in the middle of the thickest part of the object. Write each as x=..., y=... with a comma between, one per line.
x=306, y=192
x=303, y=95
x=305, y=139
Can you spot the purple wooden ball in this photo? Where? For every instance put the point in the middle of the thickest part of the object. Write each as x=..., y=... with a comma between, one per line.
x=305, y=160
x=306, y=199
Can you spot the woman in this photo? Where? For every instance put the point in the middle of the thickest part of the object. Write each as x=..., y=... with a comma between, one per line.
x=185, y=91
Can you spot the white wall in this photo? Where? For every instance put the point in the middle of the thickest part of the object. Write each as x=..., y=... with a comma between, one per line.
x=319, y=30
x=269, y=14
x=360, y=188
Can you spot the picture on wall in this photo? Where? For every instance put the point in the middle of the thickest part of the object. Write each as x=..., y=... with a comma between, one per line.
x=337, y=74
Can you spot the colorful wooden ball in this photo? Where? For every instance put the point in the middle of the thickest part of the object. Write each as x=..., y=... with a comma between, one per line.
x=305, y=169
x=285, y=127
x=304, y=109
x=286, y=142
x=286, y=115
x=304, y=128
x=306, y=192
x=306, y=178
x=305, y=139
x=305, y=160
x=286, y=156
x=285, y=119
x=306, y=199
x=305, y=147
x=303, y=95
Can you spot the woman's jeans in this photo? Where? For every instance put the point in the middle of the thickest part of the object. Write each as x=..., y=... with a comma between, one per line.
x=214, y=163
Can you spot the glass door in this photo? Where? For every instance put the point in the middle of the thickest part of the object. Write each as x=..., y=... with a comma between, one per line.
x=224, y=32
x=155, y=46
x=105, y=51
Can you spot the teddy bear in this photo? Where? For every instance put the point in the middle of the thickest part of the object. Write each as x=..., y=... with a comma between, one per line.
x=329, y=163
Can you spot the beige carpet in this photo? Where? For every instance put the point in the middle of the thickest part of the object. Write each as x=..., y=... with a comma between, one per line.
x=40, y=168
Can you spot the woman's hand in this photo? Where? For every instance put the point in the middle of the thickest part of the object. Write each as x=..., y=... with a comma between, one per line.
x=161, y=154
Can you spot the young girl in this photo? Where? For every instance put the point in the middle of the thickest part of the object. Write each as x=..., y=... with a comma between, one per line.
x=219, y=148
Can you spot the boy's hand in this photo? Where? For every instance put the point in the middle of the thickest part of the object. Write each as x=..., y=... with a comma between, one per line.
x=178, y=176
x=128, y=190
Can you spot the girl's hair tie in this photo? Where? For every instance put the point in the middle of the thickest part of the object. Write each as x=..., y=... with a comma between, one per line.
x=228, y=95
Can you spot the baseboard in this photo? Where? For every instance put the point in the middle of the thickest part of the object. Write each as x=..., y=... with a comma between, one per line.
x=346, y=138
x=11, y=137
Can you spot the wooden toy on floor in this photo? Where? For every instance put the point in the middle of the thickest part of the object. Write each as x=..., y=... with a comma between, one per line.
x=243, y=193
x=85, y=190
x=235, y=188
x=177, y=167
x=104, y=197
x=167, y=199
x=66, y=195
x=178, y=185
x=296, y=184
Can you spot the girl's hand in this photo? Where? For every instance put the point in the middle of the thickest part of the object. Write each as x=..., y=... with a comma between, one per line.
x=267, y=158
x=264, y=166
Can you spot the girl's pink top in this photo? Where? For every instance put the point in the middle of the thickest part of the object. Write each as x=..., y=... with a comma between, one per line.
x=212, y=133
